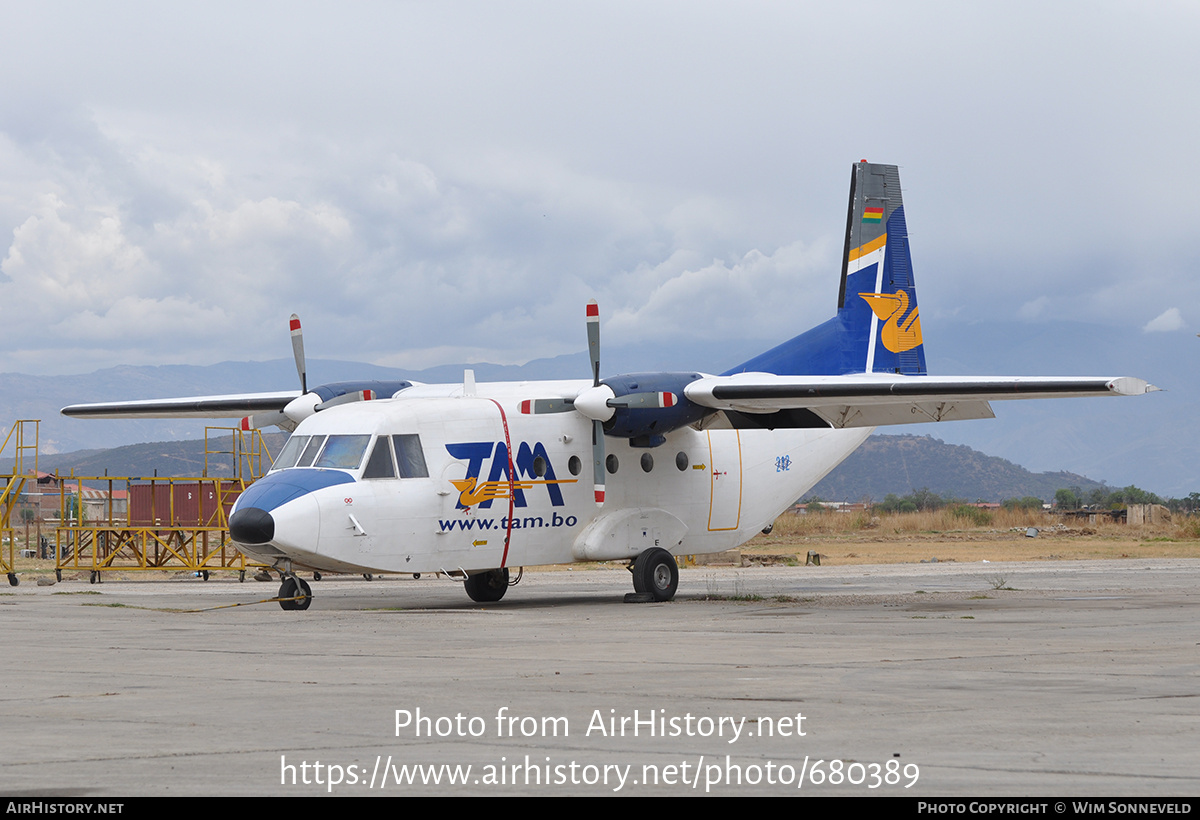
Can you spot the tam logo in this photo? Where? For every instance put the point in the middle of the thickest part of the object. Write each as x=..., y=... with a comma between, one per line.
x=532, y=467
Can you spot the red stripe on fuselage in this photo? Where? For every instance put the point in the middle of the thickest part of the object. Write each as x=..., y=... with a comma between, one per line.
x=511, y=482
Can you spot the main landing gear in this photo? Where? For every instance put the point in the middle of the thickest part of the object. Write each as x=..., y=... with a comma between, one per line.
x=294, y=592
x=655, y=576
x=486, y=587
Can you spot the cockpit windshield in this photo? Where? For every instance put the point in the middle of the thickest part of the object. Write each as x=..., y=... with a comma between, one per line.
x=291, y=452
x=345, y=452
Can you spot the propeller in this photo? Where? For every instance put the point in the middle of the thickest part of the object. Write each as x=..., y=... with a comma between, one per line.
x=622, y=406
x=593, y=335
x=319, y=398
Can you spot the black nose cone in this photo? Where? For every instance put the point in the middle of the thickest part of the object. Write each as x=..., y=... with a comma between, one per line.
x=251, y=526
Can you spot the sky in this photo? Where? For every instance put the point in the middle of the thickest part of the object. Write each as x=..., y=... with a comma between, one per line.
x=427, y=183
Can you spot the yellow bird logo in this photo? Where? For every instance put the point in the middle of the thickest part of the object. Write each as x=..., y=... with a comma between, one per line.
x=471, y=491
x=891, y=307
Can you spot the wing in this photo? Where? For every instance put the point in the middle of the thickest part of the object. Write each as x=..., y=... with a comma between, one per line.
x=872, y=400
x=193, y=407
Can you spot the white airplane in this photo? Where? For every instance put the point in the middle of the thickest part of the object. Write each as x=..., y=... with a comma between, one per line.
x=471, y=480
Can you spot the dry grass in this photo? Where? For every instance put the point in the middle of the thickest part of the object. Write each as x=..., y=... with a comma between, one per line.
x=859, y=538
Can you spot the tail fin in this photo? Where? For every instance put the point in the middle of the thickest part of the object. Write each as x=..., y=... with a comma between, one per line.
x=877, y=328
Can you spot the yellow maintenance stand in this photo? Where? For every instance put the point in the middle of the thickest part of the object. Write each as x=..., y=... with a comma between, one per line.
x=24, y=437
x=141, y=524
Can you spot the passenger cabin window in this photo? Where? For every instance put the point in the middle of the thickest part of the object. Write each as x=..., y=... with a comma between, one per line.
x=291, y=453
x=409, y=456
x=379, y=465
x=345, y=452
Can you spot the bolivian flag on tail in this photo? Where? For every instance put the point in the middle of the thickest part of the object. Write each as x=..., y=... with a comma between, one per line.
x=871, y=214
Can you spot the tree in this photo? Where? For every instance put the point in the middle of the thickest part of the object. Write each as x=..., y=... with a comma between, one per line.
x=1066, y=499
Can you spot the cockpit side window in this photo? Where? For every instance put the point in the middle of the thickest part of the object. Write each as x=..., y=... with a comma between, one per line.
x=379, y=465
x=409, y=456
x=291, y=453
x=345, y=452
x=310, y=451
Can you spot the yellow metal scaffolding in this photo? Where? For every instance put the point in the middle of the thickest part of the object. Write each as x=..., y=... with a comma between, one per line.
x=167, y=523
x=25, y=465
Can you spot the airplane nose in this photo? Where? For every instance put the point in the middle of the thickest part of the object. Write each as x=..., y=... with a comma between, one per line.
x=251, y=526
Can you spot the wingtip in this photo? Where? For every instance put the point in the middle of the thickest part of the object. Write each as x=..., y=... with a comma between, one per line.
x=1132, y=386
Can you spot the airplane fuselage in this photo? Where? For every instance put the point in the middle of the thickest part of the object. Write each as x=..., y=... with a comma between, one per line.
x=495, y=488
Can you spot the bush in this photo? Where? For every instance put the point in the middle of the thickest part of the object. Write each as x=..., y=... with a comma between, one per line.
x=976, y=516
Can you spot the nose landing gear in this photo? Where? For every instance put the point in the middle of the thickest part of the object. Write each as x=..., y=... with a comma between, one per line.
x=294, y=592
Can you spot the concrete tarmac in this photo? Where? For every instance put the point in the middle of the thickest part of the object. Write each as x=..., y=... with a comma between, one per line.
x=1024, y=679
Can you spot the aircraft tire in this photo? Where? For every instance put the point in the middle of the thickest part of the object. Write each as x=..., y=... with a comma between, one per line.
x=487, y=587
x=655, y=572
x=13, y=580
x=306, y=591
x=287, y=590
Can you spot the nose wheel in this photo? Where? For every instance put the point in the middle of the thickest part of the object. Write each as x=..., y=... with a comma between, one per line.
x=294, y=593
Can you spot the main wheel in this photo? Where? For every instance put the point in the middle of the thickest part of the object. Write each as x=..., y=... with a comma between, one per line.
x=487, y=586
x=656, y=572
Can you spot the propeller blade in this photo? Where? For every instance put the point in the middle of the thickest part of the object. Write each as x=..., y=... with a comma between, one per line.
x=598, y=460
x=537, y=407
x=272, y=418
x=593, y=334
x=645, y=400
x=347, y=398
x=298, y=351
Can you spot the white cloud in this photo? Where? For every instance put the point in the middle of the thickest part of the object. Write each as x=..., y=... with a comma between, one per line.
x=465, y=187
x=1034, y=308
x=1169, y=319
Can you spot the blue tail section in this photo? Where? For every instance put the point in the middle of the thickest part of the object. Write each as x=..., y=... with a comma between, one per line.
x=877, y=328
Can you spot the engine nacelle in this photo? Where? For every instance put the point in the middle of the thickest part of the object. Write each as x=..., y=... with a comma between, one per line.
x=647, y=426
